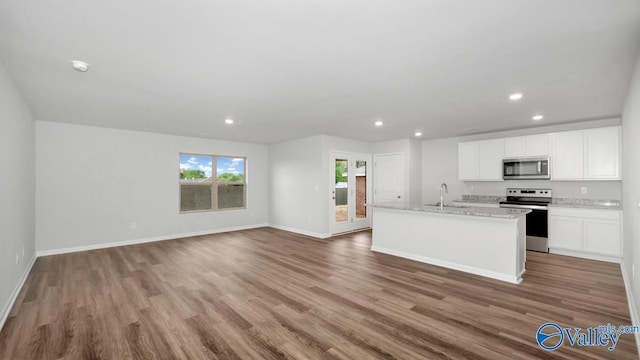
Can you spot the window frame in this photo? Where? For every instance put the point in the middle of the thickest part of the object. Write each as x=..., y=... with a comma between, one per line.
x=213, y=183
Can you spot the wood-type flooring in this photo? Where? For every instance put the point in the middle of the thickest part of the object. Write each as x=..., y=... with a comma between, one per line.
x=270, y=294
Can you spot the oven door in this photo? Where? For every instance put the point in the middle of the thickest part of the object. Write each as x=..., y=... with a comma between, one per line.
x=537, y=226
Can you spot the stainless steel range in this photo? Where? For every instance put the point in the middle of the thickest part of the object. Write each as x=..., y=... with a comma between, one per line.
x=538, y=201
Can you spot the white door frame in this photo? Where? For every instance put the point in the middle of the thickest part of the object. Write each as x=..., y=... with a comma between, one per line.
x=352, y=223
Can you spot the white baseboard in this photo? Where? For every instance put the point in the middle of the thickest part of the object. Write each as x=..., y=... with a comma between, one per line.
x=16, y=291
x=145, y=240
x=298, y=231
x=585, y=255
x=470, y=269
x=632, y=305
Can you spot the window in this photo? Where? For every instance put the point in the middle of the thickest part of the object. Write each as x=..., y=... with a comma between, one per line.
x=200, y=190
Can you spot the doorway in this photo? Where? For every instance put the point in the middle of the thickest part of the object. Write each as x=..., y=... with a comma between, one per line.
x=350, y=190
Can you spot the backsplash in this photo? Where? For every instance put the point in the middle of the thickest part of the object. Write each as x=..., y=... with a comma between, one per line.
x=561, y=189
x=489, y=199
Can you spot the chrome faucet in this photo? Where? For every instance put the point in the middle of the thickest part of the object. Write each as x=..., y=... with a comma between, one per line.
x=443, y=190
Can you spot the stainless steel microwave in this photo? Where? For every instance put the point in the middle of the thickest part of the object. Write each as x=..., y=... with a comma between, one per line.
x=526, y=168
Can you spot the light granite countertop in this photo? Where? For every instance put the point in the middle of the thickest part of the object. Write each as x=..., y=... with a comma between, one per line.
x=601, y=204
x=588, y=206
x=503, y=213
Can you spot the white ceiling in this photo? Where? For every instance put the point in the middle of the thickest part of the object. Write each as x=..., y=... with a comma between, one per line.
x=292, y=68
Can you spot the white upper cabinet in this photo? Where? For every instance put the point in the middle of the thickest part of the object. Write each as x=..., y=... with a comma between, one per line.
x=567, y=156
x=526, y=146
x=480, y=160
x=602, y=153
x=491, y=155
x=592, y=154
x=468, y=161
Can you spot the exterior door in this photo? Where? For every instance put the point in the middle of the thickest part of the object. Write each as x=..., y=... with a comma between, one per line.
x=350, y=191
x=389, y=178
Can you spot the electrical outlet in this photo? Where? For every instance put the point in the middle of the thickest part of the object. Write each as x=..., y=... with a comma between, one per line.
x=583, y=190
x=17, y=259
x=133, y=225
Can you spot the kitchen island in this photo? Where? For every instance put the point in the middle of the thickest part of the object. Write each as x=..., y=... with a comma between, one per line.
x=484, y=241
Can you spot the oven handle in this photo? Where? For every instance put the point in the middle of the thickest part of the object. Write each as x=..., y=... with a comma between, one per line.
x=532, y=207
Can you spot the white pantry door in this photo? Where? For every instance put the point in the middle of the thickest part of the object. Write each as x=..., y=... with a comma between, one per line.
x=388, y=183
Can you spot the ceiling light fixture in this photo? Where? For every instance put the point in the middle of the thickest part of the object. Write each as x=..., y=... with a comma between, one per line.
x=418, y=133
x=80, y=66
x=537, y=117
x=378, y=123
x=515, y=96
x=228, y=121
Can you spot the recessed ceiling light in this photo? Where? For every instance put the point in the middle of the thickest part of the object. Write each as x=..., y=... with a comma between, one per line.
x=228, y=121
x=378, y=123
x=537, y=117
x=515, y=96
x=80, y=65
x=418, y=133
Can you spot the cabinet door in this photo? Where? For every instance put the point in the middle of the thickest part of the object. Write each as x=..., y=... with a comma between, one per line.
x=565, y=233
x=602, y=237
x=567, y=156
x=491, y=153
x=536, y=145
x=468, y=161
x=602, y=153
x=514, y=147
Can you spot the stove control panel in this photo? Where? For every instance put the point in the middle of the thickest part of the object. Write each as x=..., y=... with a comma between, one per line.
x=529, y=192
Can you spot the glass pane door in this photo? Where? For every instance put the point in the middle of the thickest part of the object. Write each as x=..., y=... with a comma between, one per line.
x=341, y=190
x=361, y=189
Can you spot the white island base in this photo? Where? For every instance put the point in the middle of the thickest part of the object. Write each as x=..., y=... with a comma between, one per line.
x=491, y=245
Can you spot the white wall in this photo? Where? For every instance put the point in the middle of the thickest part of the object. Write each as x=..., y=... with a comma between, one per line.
x=631, y=184
x=17, y=199
x=301, y=182
x=440, y=164
x=92, y=183
x=298, y=182
x=415, y=170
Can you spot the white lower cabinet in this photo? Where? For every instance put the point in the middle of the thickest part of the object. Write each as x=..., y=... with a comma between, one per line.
x=589, y=233
x=602, y=237
x=567, y=232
